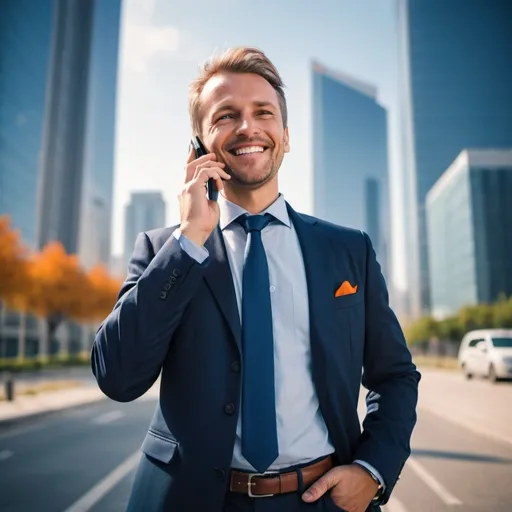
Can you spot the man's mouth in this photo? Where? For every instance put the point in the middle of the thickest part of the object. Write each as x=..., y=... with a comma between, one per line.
x=248, y=150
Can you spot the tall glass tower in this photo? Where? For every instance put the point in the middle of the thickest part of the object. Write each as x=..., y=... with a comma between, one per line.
x=25, y=42
x=350, y=156
x=455, y=93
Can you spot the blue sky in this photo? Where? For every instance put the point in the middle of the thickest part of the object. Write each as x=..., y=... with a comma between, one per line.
x=162, y=44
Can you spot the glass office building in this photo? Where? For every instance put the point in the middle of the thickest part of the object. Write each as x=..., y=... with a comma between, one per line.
x=25, y=41
x=469, y=221
x=145, y=211
x=98, y=165
x=350, y=156
x=455, y=93
x=75, y=194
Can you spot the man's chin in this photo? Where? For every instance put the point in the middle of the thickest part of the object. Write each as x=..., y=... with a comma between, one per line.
x=249, y=182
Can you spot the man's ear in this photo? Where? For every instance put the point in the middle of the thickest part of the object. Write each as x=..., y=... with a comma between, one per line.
x=286, y=140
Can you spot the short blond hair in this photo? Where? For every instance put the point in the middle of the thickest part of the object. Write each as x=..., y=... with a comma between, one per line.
x=236, y=60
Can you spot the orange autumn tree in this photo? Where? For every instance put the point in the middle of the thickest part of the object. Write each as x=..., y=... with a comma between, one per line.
x=104, y=291
x=58, y=287
x=12, y=263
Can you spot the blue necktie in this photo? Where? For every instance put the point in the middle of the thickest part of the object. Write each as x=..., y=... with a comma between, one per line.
x=259, y=431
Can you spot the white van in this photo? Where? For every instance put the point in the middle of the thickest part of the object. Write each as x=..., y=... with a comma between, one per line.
x=487, y=353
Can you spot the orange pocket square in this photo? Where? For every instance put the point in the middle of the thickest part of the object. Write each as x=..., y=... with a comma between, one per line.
x=346, y=289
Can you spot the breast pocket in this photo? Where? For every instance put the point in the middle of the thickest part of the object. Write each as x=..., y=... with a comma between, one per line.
x=347, y=301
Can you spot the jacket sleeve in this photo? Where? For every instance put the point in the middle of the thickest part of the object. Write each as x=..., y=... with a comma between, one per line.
x=131, y=344
x=392, y=380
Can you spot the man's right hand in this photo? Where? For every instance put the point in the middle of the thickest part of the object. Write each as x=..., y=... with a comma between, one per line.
x=200, y=216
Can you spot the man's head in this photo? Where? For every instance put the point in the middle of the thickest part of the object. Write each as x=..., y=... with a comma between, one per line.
x=238, y=107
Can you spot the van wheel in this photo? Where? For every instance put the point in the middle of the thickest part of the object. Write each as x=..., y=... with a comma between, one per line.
x=492, y=374
x=467, y=374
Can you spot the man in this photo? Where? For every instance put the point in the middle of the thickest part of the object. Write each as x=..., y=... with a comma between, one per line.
x=260, y=321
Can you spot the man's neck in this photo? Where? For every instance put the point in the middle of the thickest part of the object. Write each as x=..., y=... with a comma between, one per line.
x=253, y=201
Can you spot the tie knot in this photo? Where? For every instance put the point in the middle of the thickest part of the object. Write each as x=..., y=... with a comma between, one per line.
x=254, y=222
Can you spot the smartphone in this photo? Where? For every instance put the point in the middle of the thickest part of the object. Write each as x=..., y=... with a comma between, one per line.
x=200, y=150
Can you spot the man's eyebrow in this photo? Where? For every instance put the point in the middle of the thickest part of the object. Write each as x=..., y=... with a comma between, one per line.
x=229, y=106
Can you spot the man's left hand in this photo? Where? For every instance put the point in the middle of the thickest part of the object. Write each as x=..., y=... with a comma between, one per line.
x=351, y=487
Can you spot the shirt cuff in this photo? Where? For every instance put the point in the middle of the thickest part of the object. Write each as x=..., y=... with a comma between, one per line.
x=191, y=248
x=372, y=470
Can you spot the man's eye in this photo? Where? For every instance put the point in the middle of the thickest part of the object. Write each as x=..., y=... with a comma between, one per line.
x=225, y=116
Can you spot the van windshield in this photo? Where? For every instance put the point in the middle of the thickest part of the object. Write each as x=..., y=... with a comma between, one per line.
x=502, y=342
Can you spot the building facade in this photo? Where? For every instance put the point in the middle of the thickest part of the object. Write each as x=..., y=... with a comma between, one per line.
x=145, y=211
x=25, y=47
x=76, y=175
x=350, y=167
x=469, y=221
x=455, y=93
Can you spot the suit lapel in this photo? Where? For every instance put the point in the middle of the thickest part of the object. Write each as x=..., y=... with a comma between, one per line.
x=318, y=276
x=220, y=281
x=328, y=347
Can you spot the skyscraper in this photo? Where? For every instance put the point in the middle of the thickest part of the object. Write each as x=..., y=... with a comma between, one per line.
x=350, y=156
x=145, y=211
x=25, y=41
x=469, y=223
x=76, y=175
x=455, y=93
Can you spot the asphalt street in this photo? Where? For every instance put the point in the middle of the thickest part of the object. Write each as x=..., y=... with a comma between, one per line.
x=84, y=459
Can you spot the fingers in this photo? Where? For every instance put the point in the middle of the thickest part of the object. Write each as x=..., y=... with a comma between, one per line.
x=320, y=487
x=193, y=162
x=218, y=167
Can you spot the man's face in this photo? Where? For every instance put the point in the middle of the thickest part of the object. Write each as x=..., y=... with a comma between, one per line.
x=241, y=122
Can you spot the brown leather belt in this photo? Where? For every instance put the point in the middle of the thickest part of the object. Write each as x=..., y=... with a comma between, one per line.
x=259, y=486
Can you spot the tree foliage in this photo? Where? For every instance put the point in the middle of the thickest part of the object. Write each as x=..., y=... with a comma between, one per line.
x=481, y=316
x=51, y=283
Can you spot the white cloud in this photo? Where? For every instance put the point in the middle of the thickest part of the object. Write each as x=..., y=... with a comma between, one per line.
x=141, y=40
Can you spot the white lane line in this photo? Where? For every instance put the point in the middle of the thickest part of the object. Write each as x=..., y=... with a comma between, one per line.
x=5, y=454
x=394, y=505
x=446, y=496
x=89, y=499
x=108, y=417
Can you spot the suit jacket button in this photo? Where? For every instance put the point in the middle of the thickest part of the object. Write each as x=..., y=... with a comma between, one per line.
x=167, y=286
x=221, y=474
x=229, y=408
x=235, y=366
x=163, y=295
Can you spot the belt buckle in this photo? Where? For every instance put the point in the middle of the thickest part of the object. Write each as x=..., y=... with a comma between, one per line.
x=251, y=483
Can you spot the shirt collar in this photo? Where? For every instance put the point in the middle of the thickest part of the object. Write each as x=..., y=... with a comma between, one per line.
x=230, y=211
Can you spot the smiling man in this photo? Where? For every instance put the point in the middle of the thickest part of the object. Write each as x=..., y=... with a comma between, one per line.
x=260, y=321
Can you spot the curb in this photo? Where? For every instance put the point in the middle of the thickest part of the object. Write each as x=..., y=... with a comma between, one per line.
x=8, y=422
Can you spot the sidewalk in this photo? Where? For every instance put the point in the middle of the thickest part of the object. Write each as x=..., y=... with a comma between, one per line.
x=34, y=405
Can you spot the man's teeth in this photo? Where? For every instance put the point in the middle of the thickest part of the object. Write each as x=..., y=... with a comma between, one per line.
x=245, y=151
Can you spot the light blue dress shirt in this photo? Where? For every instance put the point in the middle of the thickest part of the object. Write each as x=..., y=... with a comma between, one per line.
x=302, y=433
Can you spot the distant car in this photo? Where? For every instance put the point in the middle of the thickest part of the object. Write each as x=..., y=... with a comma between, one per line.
x=487, y=353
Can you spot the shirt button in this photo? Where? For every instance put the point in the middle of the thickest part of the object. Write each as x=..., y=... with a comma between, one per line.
x=235, y=366
x=272, y=289
x=229, y=408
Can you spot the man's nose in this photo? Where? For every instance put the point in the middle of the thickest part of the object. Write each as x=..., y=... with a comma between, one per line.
x=247, y=126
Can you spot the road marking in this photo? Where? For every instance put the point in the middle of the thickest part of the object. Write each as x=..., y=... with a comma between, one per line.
x=89, y=499
x=108, y=417
x=5, y=454
x=394, y=505
x=469, y=425
x=430, y=481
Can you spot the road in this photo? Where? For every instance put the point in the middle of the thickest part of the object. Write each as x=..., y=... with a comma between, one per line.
x=84, y=459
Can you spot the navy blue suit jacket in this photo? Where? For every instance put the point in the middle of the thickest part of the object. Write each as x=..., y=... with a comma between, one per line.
x=180, y=318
